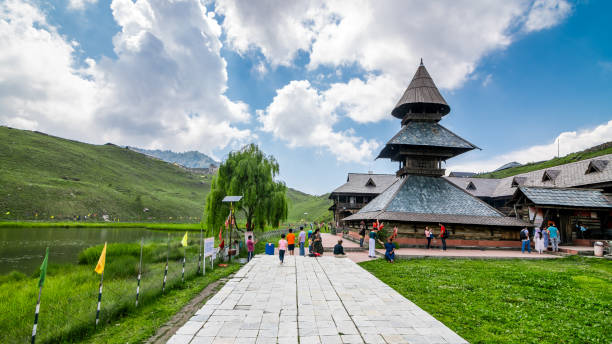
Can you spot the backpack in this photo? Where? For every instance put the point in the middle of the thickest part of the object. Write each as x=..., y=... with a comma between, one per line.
x=523, y=235
x=445, y=234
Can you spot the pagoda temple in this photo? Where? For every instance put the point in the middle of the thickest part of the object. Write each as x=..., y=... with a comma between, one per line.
x=420, y=196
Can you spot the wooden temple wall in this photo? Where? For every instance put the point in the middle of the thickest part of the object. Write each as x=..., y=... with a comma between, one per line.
x=413, y=234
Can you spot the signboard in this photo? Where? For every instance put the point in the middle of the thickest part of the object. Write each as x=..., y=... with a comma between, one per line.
x=209, y=246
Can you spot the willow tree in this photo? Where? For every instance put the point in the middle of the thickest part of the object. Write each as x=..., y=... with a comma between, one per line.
x=248, y=173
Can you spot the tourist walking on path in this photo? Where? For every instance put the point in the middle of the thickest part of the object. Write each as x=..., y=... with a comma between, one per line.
x=443, y=236
x=372, y=244
x=389, y=250
x=339, y=250
x=250, y=248
x=291, y=241
x=554, y=237
x=525, y=242
x=282, y=247
x=428, y=236
x=545, y=237
x=539, y=242
x=302, y=240
x=317, y=242
x=362, y=233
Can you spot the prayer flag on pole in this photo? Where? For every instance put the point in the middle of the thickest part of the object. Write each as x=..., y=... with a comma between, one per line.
x=101, y=261
x=184, y=241
x=43, y=269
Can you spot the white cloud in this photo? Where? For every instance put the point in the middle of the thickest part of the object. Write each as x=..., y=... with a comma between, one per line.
x=546, y=13
x=165, y=89
x=80, y=4
x=385, y=36
x=302, y=116
x=570, y=141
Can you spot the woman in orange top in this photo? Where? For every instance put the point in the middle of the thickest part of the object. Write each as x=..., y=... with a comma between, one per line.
x=291, y=241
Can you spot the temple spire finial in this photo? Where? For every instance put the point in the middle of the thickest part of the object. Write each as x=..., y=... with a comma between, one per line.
x=421, y=61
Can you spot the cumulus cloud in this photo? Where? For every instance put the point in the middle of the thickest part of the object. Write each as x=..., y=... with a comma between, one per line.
x=569, y=142
x=165, y=88
x=302, y=116
x=80, y=4
x=546, y=13
x=384, y=38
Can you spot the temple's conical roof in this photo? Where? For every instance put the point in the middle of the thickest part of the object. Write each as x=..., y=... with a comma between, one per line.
x=421, y=96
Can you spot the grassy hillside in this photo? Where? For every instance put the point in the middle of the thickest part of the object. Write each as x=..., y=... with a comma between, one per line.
x=43, y=176
x=315, y=206
x=596, y=151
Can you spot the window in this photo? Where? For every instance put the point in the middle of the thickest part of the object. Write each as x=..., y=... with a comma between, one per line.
x=596, y=166
x=471, y=186
x=518, y=181
x=550, y=175
x=370, y=183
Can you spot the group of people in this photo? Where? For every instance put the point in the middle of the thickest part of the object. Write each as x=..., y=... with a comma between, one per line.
x=542, y=238
x=287, y=243
x=430, y=236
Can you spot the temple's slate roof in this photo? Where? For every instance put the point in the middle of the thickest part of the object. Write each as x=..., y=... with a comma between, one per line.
x=417, y=133
x=416, y=198
x=575, y=198
x=484, y=186
x=568, y=176
x=356, y=183
x=422, y=92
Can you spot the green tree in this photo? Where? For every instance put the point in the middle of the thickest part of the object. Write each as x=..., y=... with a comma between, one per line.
x=248, y=173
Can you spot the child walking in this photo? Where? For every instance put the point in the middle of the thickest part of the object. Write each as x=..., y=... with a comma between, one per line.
x=539, y=242
x=250, y=248
x=282, y=247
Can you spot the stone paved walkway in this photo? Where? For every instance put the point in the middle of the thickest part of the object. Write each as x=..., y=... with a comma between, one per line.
x=318, y=300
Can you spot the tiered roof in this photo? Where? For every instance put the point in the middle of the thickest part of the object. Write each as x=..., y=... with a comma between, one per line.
x=420, y=198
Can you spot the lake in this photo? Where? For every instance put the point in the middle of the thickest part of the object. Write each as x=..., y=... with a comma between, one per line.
x=23, y=249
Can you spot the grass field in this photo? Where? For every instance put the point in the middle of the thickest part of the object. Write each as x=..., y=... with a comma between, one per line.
x=69, y=296
x=565, y=300
x=141, y=324
x=572, y=157
x=48, y=178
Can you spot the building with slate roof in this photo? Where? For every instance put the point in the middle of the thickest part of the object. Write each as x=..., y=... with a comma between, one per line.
x=594, y=173
x=359, y=190
x=568, y=208
x=419, y=196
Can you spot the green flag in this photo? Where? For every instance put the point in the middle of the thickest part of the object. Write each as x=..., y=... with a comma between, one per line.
x=43, y=269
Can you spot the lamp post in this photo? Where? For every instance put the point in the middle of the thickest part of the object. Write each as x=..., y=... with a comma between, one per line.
x=231, y=200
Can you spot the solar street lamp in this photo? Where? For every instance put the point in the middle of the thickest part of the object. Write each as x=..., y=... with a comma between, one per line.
x=231, y=200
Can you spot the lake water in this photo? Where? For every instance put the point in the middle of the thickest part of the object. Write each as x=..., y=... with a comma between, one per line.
x=23, y=249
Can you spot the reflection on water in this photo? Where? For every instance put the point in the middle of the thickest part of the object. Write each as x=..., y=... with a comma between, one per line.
x=23, y=249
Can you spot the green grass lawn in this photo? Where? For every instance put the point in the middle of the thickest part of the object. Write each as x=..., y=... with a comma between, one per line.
x=565, y=300
x=69, y=296
x=136, y=327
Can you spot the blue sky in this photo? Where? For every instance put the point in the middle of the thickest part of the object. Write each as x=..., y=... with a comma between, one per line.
x=311, y=82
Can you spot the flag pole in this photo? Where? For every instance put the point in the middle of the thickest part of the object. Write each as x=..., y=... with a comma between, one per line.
x=183, y=272
x=166, y=270
x=200, y=253
x=43, y=273
x=99, y=299
x=139, y=271
x=36, y=315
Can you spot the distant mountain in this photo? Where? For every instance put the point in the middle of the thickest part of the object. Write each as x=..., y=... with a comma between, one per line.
x=191, y=159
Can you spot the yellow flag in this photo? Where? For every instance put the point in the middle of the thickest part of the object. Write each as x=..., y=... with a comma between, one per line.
x=184, y=241
x=102, y=261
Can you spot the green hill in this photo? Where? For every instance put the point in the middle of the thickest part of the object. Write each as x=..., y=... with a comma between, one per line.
x=602, y=149
x=43, y=176
x=316, y=207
